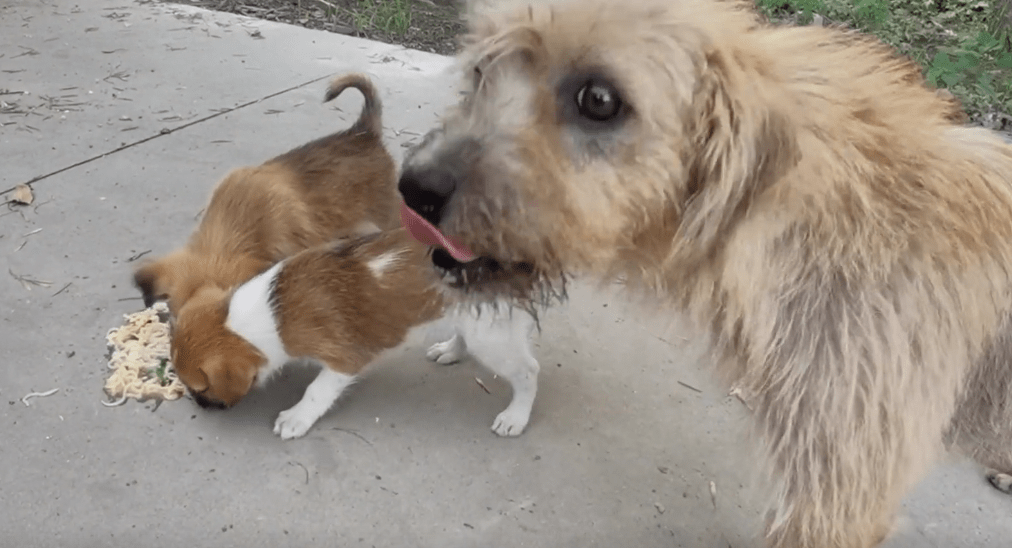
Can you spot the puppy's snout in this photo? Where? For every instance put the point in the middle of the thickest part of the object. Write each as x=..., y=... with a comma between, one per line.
x=427, y=190
x=207, y=403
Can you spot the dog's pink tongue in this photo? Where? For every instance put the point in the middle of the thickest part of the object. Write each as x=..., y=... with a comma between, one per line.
x=424, y=232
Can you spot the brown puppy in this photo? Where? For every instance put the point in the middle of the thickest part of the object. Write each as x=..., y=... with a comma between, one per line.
x=338, y=305
x=332, y=186
x=799, y=191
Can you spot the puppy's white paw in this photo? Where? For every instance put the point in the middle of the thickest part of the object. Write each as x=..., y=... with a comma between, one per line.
x=511, y=422
x=292, y=424
x=446, y=352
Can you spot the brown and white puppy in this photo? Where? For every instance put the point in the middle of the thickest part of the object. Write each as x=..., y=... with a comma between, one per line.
x=798, y=190
x=330, y=187
x=339, y=306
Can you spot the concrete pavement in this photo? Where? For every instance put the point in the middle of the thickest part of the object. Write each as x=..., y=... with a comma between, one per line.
x=131, y=111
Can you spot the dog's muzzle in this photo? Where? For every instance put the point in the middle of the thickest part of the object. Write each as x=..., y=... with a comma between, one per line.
x=207, y=403
x=428, y=185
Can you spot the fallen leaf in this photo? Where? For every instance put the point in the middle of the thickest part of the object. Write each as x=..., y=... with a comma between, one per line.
x=482, y=385
x=22, y=195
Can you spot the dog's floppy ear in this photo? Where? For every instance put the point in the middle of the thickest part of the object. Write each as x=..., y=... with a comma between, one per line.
x=152, y=281
x=158, y=280
x=742, y=144
x=230, y=376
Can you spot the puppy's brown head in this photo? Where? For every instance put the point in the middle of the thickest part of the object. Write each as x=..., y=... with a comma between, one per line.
x=216, y=365
x=592, y=135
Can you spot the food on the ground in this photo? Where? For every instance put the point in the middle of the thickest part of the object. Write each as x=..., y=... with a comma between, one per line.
x=139, y=359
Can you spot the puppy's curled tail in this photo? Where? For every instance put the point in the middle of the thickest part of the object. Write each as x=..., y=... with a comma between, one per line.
x=371, y=119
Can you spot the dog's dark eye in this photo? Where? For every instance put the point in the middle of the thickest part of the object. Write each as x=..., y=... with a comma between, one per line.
x=598, y=101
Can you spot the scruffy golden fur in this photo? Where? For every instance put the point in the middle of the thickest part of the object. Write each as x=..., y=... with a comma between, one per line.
x=799, y=191
x=333, y=186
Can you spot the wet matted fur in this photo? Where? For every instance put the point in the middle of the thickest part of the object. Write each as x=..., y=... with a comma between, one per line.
x=799, y=191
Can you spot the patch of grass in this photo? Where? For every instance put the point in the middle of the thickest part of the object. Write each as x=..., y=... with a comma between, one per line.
x=965, y=46
x=390, y=16
x=428, y=25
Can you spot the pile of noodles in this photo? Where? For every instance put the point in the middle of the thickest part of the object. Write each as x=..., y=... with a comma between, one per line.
x=139, y=358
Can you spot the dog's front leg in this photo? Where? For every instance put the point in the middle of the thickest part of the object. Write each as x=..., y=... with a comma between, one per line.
x=501, y=341
x=320, y=395
x=842, y=472
x=522, y=374
x=449, y=351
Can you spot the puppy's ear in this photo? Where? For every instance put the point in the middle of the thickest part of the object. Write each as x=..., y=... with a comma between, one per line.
x=202, y=382
x=230, y=377
x=167, y=279
x=742, y=144
x=154, y=280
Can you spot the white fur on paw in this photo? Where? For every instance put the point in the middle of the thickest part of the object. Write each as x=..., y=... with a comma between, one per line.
x=292, y=424
x=445, y=353
x=510, y=423
x=1001, y=482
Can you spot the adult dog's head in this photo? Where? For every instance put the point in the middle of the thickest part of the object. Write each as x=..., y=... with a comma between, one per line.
x=595, y=136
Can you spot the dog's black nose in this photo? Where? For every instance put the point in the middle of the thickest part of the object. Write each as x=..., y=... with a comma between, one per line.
x=207, y=403
x=427, y=187
x=427, y=190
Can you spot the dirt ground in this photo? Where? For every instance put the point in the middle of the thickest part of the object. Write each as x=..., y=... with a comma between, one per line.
x=426, y=25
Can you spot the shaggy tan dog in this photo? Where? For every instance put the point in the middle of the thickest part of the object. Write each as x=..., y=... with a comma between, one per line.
x=799, y=191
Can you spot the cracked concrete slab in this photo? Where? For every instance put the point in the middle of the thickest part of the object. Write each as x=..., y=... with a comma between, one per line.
x=627, y=434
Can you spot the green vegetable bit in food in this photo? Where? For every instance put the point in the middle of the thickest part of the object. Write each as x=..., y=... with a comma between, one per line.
x=160, y=371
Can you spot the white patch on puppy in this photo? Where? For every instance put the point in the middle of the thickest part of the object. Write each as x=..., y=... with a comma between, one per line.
x=380, y=264
x=251, y=316
x=366, y=228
